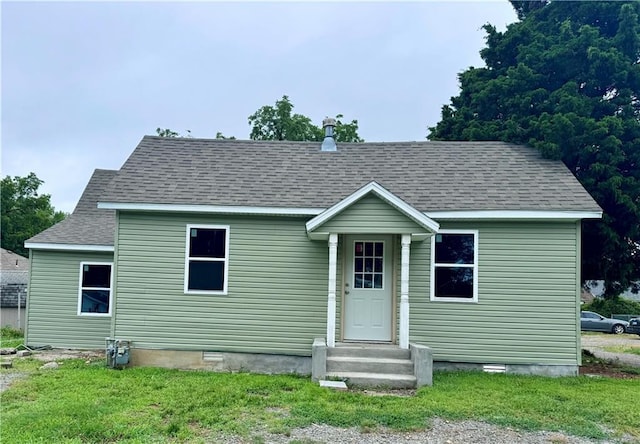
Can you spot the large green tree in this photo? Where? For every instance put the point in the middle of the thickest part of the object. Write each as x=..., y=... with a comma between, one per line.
x=565, y=79
x=24, y=212
x=279, y=123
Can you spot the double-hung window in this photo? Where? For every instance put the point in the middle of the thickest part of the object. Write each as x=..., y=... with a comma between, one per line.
x=206, y=259
x=454, y=266
x=94, y=296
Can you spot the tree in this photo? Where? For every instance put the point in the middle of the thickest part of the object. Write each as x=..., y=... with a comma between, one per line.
x=219, y=135
x=566, y=79
x=24, y=212
x=166, y=132
x=278, y=123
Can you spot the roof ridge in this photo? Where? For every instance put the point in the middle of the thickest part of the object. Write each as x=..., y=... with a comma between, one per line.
x=308, y=142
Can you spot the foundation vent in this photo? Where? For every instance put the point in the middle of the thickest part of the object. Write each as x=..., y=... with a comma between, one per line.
x=212, y=357
x=494, y=368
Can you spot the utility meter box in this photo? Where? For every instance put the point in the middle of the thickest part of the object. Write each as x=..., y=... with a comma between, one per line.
x=117, y=351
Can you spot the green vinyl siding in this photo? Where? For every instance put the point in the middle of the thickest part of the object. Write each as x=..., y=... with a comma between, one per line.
x=52, y=313
x=277, y=286
x=526, y=309
x=370, y=215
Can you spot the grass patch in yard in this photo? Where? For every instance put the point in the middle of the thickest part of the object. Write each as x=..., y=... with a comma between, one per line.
x=623, y=349
x=10, y=337
x=83, y=402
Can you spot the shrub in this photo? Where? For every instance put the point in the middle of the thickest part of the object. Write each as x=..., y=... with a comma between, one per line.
x=607, y=307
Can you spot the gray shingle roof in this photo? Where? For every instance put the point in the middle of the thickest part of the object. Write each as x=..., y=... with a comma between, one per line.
x=13, y=261
x=431, y=176
x=87, y=225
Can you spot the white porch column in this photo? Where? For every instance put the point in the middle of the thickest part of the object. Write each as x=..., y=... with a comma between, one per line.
x=331, y=303
x=404, y=291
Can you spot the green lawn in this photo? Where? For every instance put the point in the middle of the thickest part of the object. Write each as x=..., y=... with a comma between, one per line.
x=87, y=402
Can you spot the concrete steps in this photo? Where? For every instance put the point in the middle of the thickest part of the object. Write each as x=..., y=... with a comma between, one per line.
x=361, y=379
x=371, y=365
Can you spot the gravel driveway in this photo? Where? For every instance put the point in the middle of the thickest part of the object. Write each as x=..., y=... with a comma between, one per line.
x=439, y=432
x=595, y=343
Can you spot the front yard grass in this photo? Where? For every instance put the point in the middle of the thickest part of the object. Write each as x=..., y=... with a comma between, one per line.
x=87, y=402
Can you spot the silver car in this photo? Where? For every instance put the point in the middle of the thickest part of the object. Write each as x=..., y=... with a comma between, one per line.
x=591, y=321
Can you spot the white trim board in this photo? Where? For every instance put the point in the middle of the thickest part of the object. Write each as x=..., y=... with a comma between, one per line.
x=292, y=211
x=69, y=247
x=514, y=214
x=186, y=208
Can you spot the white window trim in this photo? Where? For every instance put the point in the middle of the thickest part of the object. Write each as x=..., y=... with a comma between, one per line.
x=226, y=259
x=80, y=287
x=433, y=297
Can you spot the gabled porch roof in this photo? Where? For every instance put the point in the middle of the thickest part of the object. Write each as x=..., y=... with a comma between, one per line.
x=422, y=224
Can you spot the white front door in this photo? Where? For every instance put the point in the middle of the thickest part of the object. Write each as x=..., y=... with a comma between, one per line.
x=367, y=281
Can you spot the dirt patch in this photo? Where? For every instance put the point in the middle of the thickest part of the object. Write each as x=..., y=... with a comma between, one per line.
x=56, y=354
x=607, y=370
x=8, y=376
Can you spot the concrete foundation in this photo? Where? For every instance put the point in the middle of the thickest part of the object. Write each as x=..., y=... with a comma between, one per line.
x=421, y=356
x=221, y=361
x=518, y=369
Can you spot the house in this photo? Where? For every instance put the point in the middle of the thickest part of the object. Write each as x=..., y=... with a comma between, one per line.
x=14, y=275
x=229, y=254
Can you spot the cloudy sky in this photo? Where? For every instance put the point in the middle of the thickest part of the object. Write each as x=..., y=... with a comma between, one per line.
x=83, y=82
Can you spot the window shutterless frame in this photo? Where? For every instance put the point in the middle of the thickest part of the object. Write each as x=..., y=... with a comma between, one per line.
x=188, y=259
x=81, y=288
x=474, y=266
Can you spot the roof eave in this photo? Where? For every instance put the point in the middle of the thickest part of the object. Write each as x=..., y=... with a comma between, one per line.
x=68, y=247
x=218, y=209
x=521, y=215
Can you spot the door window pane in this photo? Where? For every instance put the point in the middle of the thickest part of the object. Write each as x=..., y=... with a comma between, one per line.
x=368, y=266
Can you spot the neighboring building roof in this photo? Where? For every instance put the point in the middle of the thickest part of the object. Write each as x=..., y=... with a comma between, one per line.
x=430, y=176
x=87, y=225
x=14, y=275
x=13, y=261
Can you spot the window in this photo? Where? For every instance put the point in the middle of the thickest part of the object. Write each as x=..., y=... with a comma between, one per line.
x=368, y=264
x=94, y=298
x=206, y=259
x=454, y=266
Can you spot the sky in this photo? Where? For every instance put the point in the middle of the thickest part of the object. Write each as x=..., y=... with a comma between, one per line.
x=83, y=82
